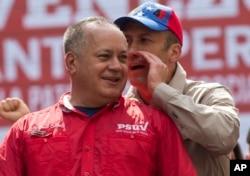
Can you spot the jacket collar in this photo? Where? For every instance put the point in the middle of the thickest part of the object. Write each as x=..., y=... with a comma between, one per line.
x=178, y=81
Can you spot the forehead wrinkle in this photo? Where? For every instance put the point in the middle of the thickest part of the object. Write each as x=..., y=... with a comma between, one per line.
x=96, y=41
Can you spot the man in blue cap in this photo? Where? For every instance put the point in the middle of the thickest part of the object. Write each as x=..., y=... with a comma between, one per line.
x=205, y=113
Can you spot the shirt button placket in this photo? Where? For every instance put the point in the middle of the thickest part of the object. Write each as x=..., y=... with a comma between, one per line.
x=87, y=149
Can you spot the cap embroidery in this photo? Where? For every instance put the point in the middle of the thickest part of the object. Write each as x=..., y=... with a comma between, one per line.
x=160, y=14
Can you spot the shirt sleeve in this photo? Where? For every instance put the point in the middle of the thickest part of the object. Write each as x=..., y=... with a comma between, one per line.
x=10, y=159
x=208, y=118
x=173, y=157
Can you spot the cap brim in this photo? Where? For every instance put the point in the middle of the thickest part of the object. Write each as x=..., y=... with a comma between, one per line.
x=121, y=22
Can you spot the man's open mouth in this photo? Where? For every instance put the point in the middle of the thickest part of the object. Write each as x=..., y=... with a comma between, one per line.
x=138, y=66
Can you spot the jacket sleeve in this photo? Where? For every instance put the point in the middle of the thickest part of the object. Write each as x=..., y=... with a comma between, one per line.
x=209, y=119
x=10, y=159
x=173, y=157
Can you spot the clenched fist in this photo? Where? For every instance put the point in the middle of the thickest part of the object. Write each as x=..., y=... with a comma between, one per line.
x=13, y=108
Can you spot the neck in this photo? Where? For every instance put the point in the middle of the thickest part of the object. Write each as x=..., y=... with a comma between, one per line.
x=172, y=72
x=145, y=96
x=90, y=101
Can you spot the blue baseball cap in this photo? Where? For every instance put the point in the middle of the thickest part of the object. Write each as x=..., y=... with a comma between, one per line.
x=154, y=16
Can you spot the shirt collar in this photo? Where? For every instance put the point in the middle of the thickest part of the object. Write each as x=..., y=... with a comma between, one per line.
x=66, y=106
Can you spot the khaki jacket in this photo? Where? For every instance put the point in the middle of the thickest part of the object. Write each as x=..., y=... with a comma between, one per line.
x=206, y=116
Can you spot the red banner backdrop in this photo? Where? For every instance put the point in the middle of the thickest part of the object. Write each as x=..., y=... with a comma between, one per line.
x=216, y=44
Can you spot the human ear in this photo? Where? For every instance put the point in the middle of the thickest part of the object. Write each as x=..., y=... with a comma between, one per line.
x=70, y=62
x=175, y=52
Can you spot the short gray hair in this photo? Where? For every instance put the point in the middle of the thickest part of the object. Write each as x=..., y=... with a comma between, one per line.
x=74, y=37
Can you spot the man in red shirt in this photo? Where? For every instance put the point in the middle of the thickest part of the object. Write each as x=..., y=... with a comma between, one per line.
x=93, y=130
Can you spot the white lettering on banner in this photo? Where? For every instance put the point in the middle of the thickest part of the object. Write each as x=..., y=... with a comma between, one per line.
x=85, y=8
x=247, y=4
x=37, y=96
x=47, y=95
x=217, y=46
x=2, y=93
x=238, y=84
x=15, y=92
x=179, y=7
x=1, y=75
x=235, y=51
x=207, y=9
x=114, y=9
x=5, y=9
x=238, y=50
x=12, y=92
x=110, y=9
x=15, y=56
x=186, y=44
x=30, y=61
x=38, y=16
x=203, y=48
x=55, y=45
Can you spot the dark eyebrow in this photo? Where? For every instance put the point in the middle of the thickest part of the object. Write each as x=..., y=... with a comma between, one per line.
x=147, y=34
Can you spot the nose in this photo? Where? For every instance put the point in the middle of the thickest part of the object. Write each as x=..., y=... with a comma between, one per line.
x=115, y=64
x=133, y=46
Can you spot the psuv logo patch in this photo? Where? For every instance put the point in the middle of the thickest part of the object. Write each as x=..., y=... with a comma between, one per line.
x=239, y=167
x=133, y=128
